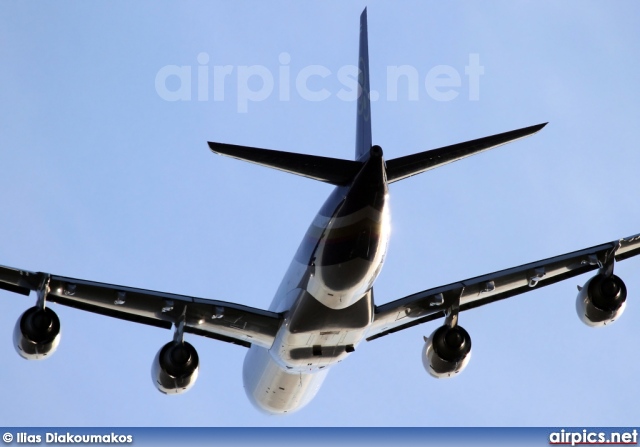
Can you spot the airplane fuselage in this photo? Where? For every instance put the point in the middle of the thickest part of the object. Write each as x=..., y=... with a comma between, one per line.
x=326, y=295
x=324, y=306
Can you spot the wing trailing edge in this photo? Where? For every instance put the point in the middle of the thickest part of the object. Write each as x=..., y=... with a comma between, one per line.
x=228, y=322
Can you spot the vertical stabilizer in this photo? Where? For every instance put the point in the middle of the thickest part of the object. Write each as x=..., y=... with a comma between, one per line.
x=363, y=123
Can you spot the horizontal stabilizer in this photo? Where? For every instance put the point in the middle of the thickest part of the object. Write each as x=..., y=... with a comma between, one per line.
x=403, y=167
x=325, y=169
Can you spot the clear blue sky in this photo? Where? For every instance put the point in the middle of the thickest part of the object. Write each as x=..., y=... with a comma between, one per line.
x=103, y=179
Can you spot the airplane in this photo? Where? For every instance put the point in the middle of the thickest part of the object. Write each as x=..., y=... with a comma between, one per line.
x=324, y=307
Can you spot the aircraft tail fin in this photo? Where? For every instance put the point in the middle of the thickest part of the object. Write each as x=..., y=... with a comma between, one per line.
x=324, y=169
x=363, y=119
x=403, y=167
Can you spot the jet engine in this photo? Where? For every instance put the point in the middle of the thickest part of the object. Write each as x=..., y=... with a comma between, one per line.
x=601, y=300
x=175, y=368
x=446, y=352
x=37, y=333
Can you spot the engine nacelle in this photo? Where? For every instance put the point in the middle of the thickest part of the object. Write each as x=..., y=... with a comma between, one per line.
x=446, y=352
x=601, y=300
x=175, y=368
x=37, y=333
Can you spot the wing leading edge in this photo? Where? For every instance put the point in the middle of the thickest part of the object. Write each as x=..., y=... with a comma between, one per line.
x=432, y=304
x=220, y=320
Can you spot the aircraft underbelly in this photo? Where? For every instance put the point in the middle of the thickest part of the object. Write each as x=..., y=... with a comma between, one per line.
x=326, y=296
x=338, y=286
x=275, y=390
x=313, y=337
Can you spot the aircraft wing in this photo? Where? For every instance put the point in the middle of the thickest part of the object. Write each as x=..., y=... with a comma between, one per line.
x=220, y=320
x=432, y=304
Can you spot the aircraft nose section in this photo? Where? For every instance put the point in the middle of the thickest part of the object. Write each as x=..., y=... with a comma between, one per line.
x=274, y=390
